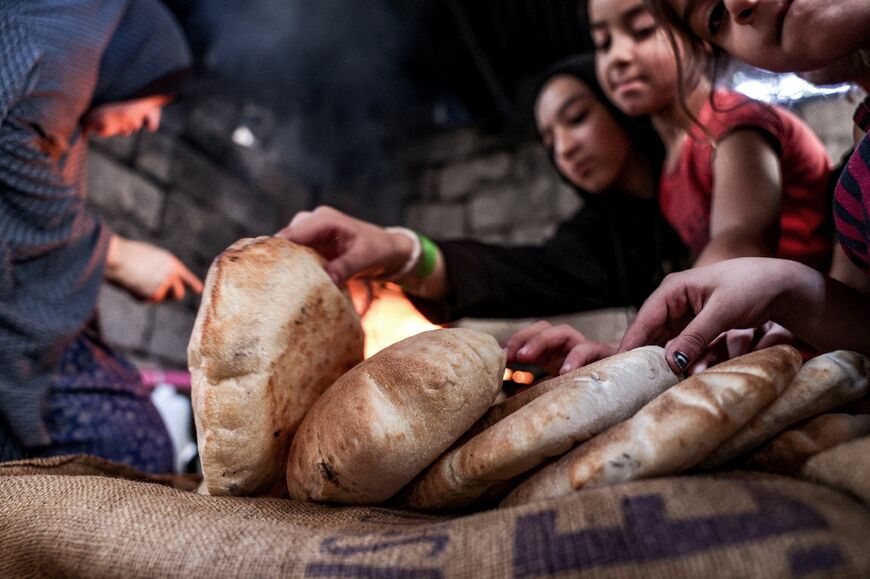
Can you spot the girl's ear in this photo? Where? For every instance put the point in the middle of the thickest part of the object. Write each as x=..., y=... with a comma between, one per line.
x=707, y=48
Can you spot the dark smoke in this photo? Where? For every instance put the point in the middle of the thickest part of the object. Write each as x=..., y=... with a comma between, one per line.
x=331, y=70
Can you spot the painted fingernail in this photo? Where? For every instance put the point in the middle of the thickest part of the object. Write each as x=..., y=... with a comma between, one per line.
x=681, y=360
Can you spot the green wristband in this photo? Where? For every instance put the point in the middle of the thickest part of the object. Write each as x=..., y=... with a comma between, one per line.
x=428, y=258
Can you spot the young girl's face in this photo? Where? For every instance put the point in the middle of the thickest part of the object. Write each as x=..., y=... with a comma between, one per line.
x=634, y=58
x=780, y=35
x=588, y=145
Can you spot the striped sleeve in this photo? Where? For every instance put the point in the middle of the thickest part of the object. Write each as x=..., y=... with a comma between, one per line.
x=852, y=206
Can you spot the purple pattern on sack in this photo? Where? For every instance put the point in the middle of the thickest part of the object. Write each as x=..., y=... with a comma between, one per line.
x=819, y=558
x=649, y=535
x=367, y=572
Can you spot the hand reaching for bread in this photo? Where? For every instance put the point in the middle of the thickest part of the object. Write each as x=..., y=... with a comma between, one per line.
x=350, y=246
x=557, y=349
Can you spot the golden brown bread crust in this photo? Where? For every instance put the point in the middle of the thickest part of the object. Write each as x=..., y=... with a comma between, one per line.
x=573, y=408
x=823, y=383
x=787, y=452
x=271, y=334
x=384, y=421
x=673, y=432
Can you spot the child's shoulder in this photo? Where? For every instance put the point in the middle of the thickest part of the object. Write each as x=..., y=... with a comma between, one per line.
x=729, y=110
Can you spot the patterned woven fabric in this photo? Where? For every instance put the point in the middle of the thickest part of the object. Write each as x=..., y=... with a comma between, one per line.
x=98, y=405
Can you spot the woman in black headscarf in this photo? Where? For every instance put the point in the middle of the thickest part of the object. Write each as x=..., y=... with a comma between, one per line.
x=69, y=69
x=612, y=252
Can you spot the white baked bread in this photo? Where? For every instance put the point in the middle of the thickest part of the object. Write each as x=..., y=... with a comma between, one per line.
x=673, y=432
x=387, y=419
x=271, y=334
x=823, y=383
x=573, y=408
x=787, y=452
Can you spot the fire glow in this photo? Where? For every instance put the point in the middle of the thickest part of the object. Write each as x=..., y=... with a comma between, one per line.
x=389, y=317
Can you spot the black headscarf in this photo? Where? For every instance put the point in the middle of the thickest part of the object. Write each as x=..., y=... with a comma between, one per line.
x=640, y=131
x=148, y=55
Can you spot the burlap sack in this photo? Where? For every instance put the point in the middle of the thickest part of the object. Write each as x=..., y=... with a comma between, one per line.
x=845, y=467
x=57, y=521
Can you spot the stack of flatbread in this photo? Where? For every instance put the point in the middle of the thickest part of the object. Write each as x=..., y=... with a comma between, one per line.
x=730, y=411
x=285, y=405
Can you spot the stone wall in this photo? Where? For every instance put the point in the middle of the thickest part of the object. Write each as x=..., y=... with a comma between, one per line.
x=192, y=190
x=185, y=188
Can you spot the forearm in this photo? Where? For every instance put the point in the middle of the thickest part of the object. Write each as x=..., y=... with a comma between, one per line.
x=822, y=311
x=733, y=244
x=114, y=257
x=846, y=272
x=433, y=286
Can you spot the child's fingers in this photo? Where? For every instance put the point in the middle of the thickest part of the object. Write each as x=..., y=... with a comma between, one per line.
x=190, y=278
x=521, y=336
x=549, y=343
x=585, y=353
x=290, y=230
x=697, y=335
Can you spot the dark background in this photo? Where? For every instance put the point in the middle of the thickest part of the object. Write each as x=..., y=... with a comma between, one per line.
x=353, y=81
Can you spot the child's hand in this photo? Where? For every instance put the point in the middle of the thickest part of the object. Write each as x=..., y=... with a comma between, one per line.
x=693, y=307
x=735, y=343
x=352, y=247
x=556, y=349
x=148, y=272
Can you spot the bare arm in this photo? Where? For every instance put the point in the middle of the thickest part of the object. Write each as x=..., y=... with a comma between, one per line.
x=695, y=306
x=846, y=272
x=148, y=272
x=747, y=194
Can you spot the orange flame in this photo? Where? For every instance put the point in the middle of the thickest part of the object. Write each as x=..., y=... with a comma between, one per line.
x=389, y=318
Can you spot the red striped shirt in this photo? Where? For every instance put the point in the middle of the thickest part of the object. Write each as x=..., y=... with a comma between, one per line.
x=852, y=197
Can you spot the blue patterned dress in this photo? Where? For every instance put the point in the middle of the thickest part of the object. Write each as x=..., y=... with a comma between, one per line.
x=98, y=405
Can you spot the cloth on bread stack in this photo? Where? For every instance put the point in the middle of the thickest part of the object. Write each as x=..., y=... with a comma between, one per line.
x=391, y=416
x=673, y=432
x=543, y=422
x=272, y=333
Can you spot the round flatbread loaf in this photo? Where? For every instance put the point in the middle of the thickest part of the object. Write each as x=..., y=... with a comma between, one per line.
x=788, y=451
x=387, y=419
x=573, y=408
x=272, y=333
x=673, y=432
x=823, y=383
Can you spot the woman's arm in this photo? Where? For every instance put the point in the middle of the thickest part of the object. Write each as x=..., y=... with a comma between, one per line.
x=747, y=198
x=148, y=272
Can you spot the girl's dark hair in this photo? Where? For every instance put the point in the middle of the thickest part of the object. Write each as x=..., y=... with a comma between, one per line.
x=712, y=60
x=639, y=130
